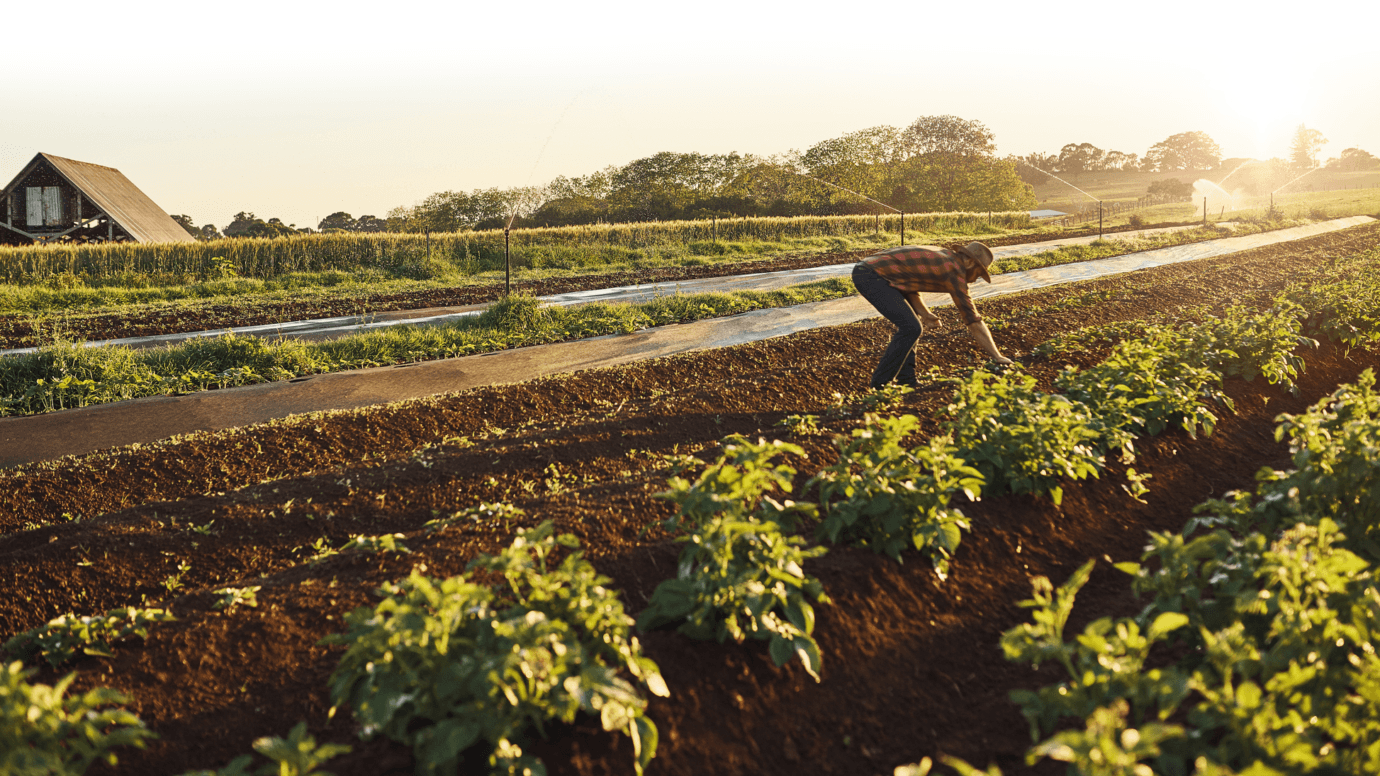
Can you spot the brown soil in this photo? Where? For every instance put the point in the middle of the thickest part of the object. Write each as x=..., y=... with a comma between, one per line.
x=912, y=667
x=22, y=331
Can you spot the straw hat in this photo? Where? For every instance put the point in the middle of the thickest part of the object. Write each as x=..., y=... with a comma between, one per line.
x=982, y=255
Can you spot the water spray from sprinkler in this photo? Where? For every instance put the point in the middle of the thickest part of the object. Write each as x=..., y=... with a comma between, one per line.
x=1236, y=170
x=1061, y=180
x=1075, y=188
x=513, y=207
x=864, y=196
x=1309, y=172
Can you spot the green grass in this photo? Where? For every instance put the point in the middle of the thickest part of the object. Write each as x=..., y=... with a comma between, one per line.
x=65, y=375
x=1335, y=194
x=1118, y=186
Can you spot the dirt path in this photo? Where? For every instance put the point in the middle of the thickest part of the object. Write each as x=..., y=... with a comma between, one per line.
x=911, y=667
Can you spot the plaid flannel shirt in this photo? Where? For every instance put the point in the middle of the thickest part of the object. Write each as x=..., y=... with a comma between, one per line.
x=911, y=269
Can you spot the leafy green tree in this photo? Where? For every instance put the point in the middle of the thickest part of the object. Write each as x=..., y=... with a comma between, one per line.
x=1184, y=151
x=1170, y=187
x=868, y=161
x=247, y=224
x=185, y=221
x=1080, y=157
x=1303, y=151
x=1354, y=160
x=340, y=221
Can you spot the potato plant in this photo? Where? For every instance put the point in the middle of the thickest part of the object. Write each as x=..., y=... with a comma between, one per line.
x=883, y=495
x=1020, y=439
x=444, y=664
x=739, y=576
x=739, y=486
x=63, y=637
x=42, y=732
x=1263, y=625
x=743, y=579
x=297, y=755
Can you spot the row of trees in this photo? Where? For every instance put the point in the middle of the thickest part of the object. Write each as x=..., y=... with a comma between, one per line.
x=938, y=163
x=1184, y=151
x=1187, y=151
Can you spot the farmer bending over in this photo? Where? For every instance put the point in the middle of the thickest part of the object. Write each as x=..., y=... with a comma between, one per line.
x=892, y=281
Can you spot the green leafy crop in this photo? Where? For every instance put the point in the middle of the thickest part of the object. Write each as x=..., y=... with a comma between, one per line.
x=61, y=639
x=739, y=576
x=1261, y=628
x=44, y=734
x=443, y=664
x=1020, y=439
x=296, y=755
x=739, y=485
x=743, y=579
x=886, y=496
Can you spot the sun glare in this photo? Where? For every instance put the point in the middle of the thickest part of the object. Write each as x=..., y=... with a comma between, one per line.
x=1268, y=112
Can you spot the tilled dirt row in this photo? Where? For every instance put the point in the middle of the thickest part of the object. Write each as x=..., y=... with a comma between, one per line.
x=21, y=331
x=911, y=665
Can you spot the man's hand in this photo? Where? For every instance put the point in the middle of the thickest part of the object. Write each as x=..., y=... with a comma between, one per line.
x=930, y=319
x=1003, y=360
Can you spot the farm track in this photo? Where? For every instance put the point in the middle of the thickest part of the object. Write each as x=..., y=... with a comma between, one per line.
x=911, y=667
x=21, y=331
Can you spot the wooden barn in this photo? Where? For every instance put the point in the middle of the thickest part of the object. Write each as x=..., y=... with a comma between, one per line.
x=62, y=199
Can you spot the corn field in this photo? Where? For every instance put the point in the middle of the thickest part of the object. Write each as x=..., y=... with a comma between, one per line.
x=471, y=252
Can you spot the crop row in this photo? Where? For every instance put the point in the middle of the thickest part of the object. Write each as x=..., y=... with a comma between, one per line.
x=491, y=661
x=409, y=254
x=1262, y=621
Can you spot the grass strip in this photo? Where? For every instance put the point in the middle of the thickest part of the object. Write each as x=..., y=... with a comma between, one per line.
x=66, y=375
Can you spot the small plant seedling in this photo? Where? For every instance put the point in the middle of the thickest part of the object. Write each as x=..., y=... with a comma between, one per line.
x=230, y=597
x=321, y=549
x=174, y=582
x=475, y=515
x=61, y=639
x=800, y=425
x=380, y=543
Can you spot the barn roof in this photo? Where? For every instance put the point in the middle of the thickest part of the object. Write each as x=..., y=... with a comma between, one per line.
x=114, y=194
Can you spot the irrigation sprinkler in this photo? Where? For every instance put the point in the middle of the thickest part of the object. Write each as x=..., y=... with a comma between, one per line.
x=1075, y=188
x=507, y=262
x=1306, y=174
x=864, y=196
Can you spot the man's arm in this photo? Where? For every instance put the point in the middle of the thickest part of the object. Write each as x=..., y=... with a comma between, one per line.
x=921, y=311
x=984, y=338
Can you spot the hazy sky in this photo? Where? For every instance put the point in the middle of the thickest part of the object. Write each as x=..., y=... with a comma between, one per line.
x=298, y=110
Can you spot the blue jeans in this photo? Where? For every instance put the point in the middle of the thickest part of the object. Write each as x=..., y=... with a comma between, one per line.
x=898, y=360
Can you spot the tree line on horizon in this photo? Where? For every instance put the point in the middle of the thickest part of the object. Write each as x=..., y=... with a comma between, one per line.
x=937, y=163
x=1191, y=151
